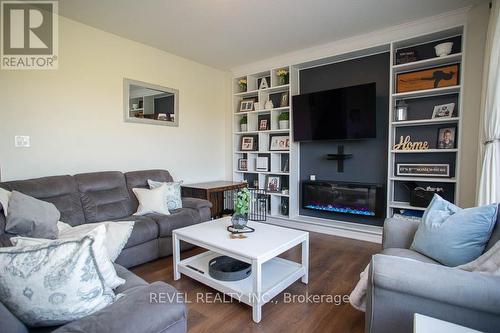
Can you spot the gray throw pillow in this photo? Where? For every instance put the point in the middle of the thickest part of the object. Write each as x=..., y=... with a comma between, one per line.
x=31, y=217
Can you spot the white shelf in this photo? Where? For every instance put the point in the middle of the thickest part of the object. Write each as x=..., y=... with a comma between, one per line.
x=404, y=205
x=422, y=64
x=427, y=151
x=278, y=194
x=425, y=179
x=274, y=273
x=281, y=88
x=425, y=122
x=247, y=93
x=264, y=173
x=277, y=131
x=427, y=92
x=262, y=111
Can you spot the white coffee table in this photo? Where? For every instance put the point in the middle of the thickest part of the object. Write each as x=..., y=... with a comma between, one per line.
x=270, y=274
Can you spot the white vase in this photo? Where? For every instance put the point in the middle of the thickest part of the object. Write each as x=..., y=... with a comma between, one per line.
x=269, y=105
x=243, y=127
x=284, y=124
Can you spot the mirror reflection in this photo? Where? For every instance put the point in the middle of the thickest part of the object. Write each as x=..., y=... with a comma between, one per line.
x=151, y=104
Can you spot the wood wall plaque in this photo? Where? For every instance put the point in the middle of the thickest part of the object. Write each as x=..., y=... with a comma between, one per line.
x=431, y=78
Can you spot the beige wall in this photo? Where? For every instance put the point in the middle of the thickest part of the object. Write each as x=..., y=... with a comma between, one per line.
x=477, y=25
x=74, y=115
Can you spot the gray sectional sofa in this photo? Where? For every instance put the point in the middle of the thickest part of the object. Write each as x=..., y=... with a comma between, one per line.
x=107, y=196
x=399, y=288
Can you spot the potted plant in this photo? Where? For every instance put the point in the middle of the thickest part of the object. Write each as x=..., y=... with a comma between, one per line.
x=241, y=209
x=282, y=76
x=243, y=124
x=284, y=120
x=243, y=84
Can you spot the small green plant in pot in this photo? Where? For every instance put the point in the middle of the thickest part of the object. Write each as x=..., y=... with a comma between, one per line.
x=243, y=123
x=284, y=120
x=241, y=209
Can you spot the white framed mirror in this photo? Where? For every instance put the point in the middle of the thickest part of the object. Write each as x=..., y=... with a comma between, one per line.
x=147, y=103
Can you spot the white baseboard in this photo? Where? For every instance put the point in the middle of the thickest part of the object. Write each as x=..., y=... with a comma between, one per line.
x=331, y=227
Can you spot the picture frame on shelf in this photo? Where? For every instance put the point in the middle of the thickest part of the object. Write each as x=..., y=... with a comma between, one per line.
x=405, y=56
x=262, y=163
x=446, y=137
x=248, y=143
x=443, y=111
x=422, y=170
x=243, y=164
x=264, y=122
x=279, y=142
x=264, y=82
x=273, y=183
x=284, y=100
x=285, y=164
x=431, y=78
x=246, y=105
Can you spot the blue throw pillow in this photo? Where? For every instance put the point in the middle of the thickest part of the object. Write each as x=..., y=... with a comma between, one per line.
x=451, y=235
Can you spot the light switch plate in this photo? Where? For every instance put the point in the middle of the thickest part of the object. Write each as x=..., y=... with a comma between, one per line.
x=22, y=141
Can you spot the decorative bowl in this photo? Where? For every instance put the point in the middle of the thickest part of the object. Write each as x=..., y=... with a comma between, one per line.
x=443, y=49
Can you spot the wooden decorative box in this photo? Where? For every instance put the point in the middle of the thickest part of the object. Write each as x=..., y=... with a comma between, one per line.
x=437, y=77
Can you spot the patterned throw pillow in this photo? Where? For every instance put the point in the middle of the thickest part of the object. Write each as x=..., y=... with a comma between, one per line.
x=174, y=200
x=98, y=233
x=52, y=284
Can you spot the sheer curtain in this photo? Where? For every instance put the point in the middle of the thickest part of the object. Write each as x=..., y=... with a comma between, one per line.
x=489, y=184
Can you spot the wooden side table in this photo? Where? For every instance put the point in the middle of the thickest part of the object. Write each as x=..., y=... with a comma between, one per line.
x=213, y=192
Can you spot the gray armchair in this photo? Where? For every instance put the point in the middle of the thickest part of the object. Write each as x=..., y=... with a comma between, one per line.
x=399, y=288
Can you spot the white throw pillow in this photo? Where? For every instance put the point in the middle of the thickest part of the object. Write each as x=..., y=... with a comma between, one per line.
x=4, y=200
x=173, y=193
x=152, y=201
x=117, y=234
x=101, y=254
x=53, y=283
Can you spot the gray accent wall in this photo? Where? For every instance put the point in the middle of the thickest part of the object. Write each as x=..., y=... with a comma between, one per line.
x=369, y=161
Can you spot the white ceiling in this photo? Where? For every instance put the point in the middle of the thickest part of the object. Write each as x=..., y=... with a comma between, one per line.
x=230, y=33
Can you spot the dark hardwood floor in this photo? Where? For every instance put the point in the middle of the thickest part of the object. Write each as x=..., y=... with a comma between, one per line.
x=335, y=264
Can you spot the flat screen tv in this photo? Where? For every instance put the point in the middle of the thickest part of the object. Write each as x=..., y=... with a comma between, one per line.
x=340, y=114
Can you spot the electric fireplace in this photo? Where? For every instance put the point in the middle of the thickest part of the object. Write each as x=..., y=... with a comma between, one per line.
x=340, y=197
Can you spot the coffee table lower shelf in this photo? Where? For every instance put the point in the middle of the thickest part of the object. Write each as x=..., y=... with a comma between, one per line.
x=277, y=275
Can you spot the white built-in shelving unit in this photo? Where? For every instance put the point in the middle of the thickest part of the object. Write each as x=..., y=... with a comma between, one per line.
x=276, y=158
x=393, y=202
x=433, y=155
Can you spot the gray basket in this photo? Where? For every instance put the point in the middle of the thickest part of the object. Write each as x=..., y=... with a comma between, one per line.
x=225, y=268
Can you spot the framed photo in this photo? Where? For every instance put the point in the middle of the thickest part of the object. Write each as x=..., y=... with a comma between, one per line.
x=262, y=163
x=243, y=164
x=446, y=137
x=424, y=170
x=279, y=142
x=273, y=183
x=247, y=143
x=246, y=105
x=264, y=122
x=284, y=101
x=264, y=82
x=443, y=111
